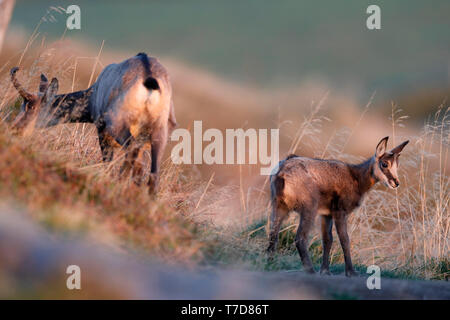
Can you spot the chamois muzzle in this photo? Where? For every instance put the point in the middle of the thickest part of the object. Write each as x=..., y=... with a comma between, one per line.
x=394, y=183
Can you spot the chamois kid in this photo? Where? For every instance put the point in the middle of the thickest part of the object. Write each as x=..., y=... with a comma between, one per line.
x=331, y=189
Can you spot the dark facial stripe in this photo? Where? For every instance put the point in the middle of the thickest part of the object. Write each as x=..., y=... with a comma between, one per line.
x=387, y=173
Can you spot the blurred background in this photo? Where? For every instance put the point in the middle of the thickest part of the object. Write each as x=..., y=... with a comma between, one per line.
x=273, y=45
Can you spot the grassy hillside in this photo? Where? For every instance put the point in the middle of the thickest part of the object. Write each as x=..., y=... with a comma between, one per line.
x=69, y=200
x=201, y=217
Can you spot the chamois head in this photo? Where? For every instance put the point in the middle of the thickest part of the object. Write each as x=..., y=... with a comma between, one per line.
x=386, y=163
x=33, y=103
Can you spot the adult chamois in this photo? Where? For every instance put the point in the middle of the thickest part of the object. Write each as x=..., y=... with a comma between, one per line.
x=130, y=104
x=331, y=189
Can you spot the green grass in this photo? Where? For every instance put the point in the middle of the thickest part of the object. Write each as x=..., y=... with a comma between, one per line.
x=342, y=296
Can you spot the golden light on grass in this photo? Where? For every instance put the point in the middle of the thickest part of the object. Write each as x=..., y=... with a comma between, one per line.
x=58, y=170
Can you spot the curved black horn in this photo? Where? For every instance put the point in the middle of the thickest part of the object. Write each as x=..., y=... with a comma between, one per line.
x=18, y=86
x=43, y=85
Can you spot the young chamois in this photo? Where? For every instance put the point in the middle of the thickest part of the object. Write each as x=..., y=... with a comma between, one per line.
x=331, y=189
x=130, y=104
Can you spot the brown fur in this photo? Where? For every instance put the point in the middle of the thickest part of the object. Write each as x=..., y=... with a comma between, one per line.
x=130, y=104
x=331, y=189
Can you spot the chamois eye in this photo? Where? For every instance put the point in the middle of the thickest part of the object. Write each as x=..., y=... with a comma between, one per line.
x=384, y=164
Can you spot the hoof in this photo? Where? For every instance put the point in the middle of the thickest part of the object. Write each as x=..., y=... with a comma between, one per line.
x=325, y=272
x=270, y=253
x=351, y=273
x=152, y=184
x=310, y=271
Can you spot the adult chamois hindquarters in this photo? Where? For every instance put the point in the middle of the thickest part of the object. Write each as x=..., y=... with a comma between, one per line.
x=331, y=189
x=130, y=104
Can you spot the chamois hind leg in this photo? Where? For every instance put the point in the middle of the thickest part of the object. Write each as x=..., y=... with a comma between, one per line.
x=279, y=213
x=301, y=238
x=327, y=241
x=341, y=228
x=158, y=144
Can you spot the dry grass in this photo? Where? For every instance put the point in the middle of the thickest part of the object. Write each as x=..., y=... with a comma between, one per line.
x=405, y=232
x=409, y=229
x=58, y=175
x=68, y=199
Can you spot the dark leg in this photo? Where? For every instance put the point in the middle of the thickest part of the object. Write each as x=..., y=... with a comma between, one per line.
x=276, y=219
x=132, y=153
x=301, y=239
x=159, y=141
x=131, y=148
x=105, y=146
x=134, y=161
x=341, y=228
x=109, y=141
x=139, y=163
x=327, y=241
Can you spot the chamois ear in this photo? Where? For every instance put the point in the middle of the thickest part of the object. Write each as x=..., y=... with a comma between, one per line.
x=399, y=148
x=43, y=85
x=51, y=91
x=381, y=147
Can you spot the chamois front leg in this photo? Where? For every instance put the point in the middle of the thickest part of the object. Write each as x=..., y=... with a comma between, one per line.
x=327, y=242
x=132, y=147
x=139, y=163
x=341, y=228
x=106, y=147
x=158, y=144
x=132, y=153
x=301, y=239
x=108, y=141
x=134, y=161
